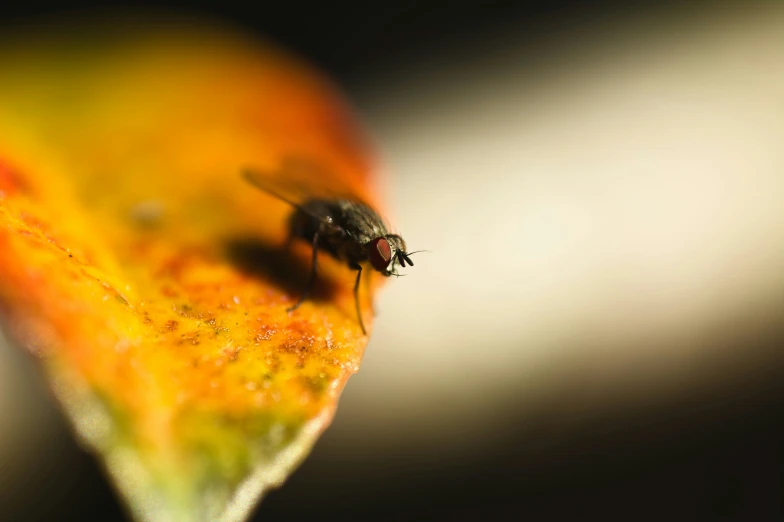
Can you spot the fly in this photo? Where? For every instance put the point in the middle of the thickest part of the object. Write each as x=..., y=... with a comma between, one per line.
x=335, y=221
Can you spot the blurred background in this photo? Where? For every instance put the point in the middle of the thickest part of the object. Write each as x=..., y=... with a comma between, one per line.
x=598, y=327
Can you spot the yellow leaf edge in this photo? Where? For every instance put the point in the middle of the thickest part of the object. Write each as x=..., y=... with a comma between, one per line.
x=93, y=428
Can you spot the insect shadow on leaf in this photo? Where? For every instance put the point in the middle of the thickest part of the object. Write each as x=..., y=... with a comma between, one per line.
x=278, y=265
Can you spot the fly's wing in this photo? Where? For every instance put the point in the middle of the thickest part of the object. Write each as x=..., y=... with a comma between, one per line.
x=298, y=181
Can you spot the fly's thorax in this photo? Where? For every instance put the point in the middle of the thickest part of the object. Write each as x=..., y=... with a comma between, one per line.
x=341, y=245
x=347, y=230
x=361, y=222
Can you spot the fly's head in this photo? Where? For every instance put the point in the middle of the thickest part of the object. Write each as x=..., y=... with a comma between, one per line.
x=388, y=252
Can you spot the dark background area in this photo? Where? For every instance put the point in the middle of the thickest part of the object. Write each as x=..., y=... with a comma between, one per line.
x=349, y=40
x=714, y=457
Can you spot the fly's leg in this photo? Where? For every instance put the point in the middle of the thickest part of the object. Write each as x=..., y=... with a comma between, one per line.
x=312, y=279
x=358, y=268
x=368, y=281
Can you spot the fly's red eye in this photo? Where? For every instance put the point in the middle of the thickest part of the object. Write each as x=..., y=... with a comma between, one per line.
x=380, y=253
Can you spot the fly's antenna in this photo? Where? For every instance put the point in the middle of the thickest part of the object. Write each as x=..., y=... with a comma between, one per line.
x=403, y=258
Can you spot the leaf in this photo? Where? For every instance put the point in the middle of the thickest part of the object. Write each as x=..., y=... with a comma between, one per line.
x=147, y=275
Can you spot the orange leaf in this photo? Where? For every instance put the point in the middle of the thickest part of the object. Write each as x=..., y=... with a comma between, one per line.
x=149, y=277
